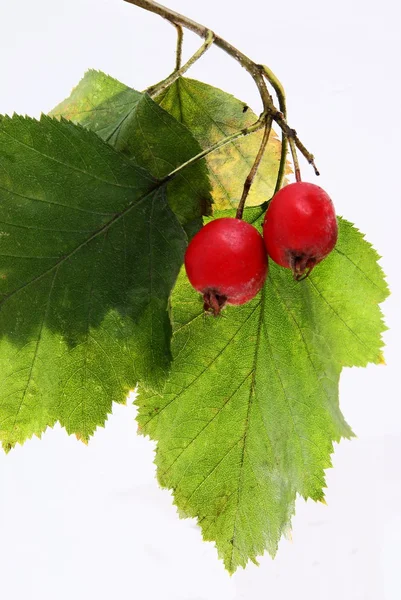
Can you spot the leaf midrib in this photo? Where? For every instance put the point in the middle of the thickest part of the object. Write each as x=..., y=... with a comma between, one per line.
x=245, y=435
x=184, y=389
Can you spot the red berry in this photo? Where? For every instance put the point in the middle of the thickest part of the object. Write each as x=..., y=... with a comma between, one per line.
x=226, y=262
x=300, y=227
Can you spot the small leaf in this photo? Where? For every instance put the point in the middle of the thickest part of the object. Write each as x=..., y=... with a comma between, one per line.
x=211, y=114
x=132, y=123
x=89, y=253
x=250, y=411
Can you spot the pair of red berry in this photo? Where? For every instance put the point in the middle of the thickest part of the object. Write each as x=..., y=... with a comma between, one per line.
x=226, y=260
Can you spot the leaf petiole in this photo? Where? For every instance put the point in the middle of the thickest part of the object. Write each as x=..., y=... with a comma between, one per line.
x=158, y=88
x=178, y=52
x=279, y=89
x=230, y=138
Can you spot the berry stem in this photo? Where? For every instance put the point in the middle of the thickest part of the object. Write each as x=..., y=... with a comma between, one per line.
x=279, y=89
x=230, y=138
x=158, y=88
x=295, y=161
x=255, y=166
x=256, y=71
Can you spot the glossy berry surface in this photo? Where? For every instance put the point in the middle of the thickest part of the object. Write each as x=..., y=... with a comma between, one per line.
x=226, y=262
x=300, y=227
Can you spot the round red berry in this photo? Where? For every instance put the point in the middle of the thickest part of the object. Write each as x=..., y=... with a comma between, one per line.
x=226, y=262
x=300, y=227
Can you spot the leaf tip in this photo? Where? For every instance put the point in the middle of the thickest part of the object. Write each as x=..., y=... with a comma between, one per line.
x=382, y=360
x=287, y=533
x=8, y=446
x=82, y=438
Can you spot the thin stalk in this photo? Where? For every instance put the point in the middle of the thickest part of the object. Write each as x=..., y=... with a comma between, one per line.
x=280, y=92
x=158, y=88
x=295, y=161
x=291, y=133
x=174, y=17
x=277, y=86
x=178, y=52
x=283, y=161
x=255, y=167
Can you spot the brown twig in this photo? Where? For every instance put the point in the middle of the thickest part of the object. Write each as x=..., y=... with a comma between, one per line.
x=255, y=166
x=257, y=71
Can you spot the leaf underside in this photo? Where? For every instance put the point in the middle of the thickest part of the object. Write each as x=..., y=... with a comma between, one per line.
x=250, y=411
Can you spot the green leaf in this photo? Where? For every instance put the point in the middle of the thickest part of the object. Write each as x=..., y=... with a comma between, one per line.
x=211, y=115
x=89, y=253
x=134, y=124
x=250, y=412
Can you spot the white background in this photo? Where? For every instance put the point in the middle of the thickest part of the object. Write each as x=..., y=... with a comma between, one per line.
x=90, y=522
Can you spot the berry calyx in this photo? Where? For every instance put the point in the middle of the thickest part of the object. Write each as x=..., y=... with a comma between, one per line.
x=300, y=227
x=226, y=262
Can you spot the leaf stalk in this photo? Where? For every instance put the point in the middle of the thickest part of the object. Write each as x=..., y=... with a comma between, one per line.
x=178, y=52
x=158, y=88
x=227, y=140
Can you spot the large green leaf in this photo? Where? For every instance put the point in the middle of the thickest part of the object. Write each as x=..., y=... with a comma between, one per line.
x=250, y=411
x=134, y=124
x=211, y=115
x=89, y=252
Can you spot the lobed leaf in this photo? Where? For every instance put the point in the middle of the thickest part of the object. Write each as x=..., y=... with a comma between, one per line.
x=250, y=412
x=89, y=252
